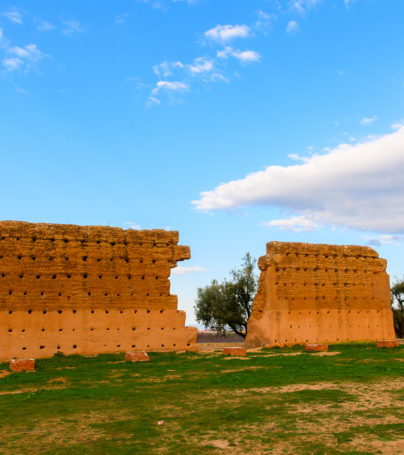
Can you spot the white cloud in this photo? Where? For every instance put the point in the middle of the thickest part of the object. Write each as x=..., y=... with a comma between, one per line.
x=243, y=56
x=166, y=69
x=45, y=26
x=182, y=270
x=191, y=2
x=225, y=33
x=295, y=224
x=397, y=126
x=292, y=27
x=121, y=18
x=13, y=16
x=368, y=120
x=247, y=56
x=175, y=86
x=152, y=101
x=359, y=186
x=383, y=239
x=296, y=157
x=264, y=21
x=131, y=225
x=301, y=6
x=201, y=65
x=12, y=63
x=72, y=27
x=22, y=57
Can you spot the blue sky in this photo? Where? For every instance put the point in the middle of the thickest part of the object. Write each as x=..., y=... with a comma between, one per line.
x=235, y=122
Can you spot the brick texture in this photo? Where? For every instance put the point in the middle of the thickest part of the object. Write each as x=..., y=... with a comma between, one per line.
x=88, y=290
x=316, y=347
x=17, y=365
x=313, y=293
x=137, y=356
x=387, y=344
x=235, y=352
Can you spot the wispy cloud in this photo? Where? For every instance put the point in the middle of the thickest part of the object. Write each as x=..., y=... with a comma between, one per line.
x=183, y=270
x=226, y=33
x=383, y=239
x=368, y=120
x=13, y=16
x=292, y=27
x=359, y=186
x=131, y=225
x=166, y=69
x=247, y=56
x=295, y=224
x=22, y=57
x=121, y=18
x=201, y=65
x=72, y=27
x=397, y=126
x=2, y=39
x=45, y=26
x=302, y=6
x=152, y=101
x=264, y=21
x=170, y=86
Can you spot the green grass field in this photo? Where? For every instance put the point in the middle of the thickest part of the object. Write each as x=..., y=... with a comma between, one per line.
x=276, y=401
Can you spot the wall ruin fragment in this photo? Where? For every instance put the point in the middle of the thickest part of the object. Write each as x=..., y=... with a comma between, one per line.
x=312, y=293
x=88, y=290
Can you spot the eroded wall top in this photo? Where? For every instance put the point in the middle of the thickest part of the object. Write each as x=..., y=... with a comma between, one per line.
x=317, y=292
x=55, y=265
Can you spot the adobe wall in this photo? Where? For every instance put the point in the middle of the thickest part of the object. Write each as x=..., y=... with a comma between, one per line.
x=88, y=290
x=320, y=294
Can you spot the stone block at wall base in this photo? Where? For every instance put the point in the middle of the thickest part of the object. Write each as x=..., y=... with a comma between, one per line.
x=137, y=356
x=18, y=365
x=387, y=344
x=316, y=347
x=235, y=352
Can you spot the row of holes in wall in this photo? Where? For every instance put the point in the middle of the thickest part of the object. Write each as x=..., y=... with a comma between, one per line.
x=92, y=329
x=328, y=255
x=83, y=276
x=339, y=327
x=346, y=298
x=74, y=311
x=329, y=311
x=86, y=294
x=311, y=341
x=316, y=284
x=321, y=269
x=33, y=257
x=75, y=346
x=86, y=241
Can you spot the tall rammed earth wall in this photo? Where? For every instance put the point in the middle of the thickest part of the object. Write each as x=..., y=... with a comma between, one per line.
x=88, y=290
x=320, y=293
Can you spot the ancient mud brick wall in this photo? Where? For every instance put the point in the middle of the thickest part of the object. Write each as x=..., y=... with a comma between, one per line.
x=320, y=294
x=88, y=290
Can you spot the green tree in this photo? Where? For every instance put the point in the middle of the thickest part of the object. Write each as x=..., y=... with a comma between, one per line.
x=397, y=304
x=225, y=305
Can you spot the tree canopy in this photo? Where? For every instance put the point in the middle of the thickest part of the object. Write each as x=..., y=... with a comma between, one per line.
x=228, y=305
x=397, y=303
